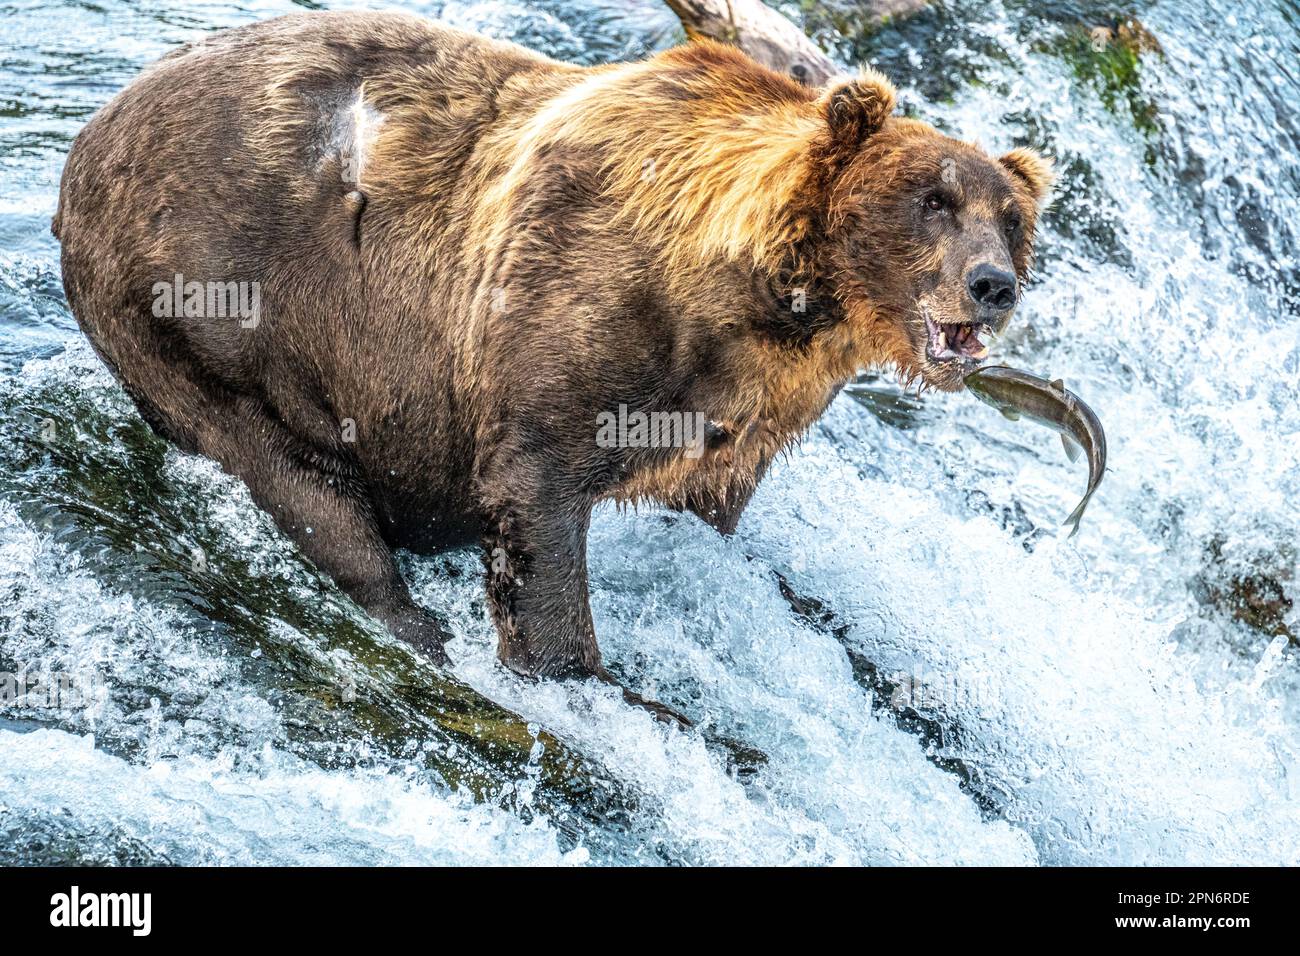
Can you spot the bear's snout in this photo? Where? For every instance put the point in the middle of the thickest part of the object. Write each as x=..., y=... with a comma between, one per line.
x=992, y=289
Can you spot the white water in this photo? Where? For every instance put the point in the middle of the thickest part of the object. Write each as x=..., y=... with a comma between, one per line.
x=1102, y=710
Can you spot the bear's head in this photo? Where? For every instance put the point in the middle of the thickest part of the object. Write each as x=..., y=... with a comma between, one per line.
x=870, y=238
x=924, y=241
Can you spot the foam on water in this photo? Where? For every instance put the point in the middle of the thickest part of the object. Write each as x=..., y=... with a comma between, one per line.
x=207, y=779
x=195, y=810
x=685, y=617
x=1078, y=714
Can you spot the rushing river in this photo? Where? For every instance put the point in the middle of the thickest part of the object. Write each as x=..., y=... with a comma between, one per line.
x=967, y=686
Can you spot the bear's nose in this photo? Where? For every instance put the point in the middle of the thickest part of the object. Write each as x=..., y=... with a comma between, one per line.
x=992, y=288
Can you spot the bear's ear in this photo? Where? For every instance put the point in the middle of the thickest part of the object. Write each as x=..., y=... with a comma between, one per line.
x=855, y=109
x=1031, y=170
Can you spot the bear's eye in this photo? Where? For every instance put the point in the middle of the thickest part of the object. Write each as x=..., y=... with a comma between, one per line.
x=935, y=202
x=1013, y=225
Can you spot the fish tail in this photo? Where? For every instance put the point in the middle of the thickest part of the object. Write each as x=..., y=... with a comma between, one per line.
x=1072, y=522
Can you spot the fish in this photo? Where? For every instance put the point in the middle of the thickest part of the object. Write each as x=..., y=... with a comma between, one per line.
x=1018, y=394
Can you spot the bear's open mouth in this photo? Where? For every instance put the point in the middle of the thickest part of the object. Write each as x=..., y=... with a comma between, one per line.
x=956, y=340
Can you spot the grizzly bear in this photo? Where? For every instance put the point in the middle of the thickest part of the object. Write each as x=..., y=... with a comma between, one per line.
x=455, y=259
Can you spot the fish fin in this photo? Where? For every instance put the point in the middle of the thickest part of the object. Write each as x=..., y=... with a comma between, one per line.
x=1010, y=414
x=1059, y=385
x=1072, y=449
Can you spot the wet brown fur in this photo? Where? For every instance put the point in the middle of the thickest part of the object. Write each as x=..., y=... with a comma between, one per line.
x=497, y=248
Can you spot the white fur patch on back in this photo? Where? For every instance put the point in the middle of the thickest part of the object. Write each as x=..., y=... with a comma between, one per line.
x=353, y=132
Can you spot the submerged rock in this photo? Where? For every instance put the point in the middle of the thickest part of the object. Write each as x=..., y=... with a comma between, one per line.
x=1108, y=56
x=1249, y=587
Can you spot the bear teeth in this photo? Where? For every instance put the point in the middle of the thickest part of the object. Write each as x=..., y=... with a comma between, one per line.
x=956, y=340
x=949, y=340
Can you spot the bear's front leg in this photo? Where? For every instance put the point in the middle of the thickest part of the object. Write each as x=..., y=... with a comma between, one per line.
x=536, y=562
x=537, y=591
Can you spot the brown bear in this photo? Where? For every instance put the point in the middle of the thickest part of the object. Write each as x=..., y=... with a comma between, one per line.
x=466, y=276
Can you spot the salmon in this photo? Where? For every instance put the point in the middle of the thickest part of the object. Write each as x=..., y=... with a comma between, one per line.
x=1018, y=394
